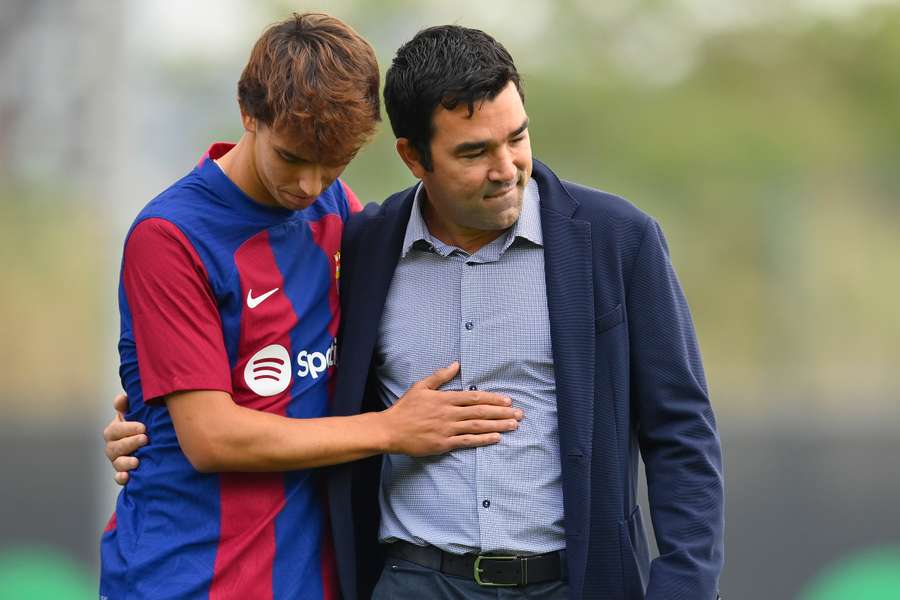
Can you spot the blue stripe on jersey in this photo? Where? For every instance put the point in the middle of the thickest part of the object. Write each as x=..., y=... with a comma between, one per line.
x=298, y=530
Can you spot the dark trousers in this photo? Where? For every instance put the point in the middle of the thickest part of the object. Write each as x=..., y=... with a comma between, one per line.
x=403, y=580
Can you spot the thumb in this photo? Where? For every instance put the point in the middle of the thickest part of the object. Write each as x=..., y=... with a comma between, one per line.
x=439, y=377
x=120, y=404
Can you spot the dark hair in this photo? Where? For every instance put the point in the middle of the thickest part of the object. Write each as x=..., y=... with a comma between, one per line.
x=315, y=77
x=445, y=65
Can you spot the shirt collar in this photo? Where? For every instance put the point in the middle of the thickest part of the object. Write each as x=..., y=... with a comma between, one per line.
x=527, y=226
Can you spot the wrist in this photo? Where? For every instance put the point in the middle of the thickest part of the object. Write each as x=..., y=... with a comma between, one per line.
x=379, y=426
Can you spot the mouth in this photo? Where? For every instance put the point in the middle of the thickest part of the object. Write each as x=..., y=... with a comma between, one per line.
x=509, y=189
x=501, y=193
x=298, y=200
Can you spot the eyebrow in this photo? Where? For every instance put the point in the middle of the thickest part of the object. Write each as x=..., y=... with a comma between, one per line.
x=470, y=146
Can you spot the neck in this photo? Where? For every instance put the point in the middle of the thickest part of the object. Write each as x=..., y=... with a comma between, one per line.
x=239, y=165
x=469, y=240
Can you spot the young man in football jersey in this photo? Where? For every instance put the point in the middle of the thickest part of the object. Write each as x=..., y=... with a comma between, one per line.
x=229, y=316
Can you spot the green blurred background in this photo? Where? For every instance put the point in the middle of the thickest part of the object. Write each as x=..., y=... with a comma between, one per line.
x=764, y=135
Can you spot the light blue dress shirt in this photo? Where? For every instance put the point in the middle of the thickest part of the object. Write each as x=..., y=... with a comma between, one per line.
x=488, y=311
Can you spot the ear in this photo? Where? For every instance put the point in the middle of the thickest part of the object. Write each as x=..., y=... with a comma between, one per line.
x=249, y=122
x=410, y=156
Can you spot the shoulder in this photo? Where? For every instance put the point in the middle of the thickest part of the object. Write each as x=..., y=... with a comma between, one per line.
x=614, y=215
x=395, y=206
x=352, y=202
x=159, y=244
x=605, y=208
x=611, y=216
x=582, y=201
x=179, y=202
x=168, y=228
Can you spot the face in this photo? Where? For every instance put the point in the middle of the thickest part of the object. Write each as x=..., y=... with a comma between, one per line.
x=481, y=165
x=289, y=175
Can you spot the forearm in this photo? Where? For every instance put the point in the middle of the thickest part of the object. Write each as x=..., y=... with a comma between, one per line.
x=273, y=443
x=683, y=464
x=233, y=438
x=677, y=430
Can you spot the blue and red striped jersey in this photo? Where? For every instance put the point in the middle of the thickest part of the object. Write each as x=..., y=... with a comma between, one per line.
x=218, y=292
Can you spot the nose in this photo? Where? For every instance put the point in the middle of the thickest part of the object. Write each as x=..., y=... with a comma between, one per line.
x=503, y=169
x=310, y=180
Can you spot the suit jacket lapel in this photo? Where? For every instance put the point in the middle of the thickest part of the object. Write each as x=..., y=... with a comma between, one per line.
x=568, y=264
x=375, y=257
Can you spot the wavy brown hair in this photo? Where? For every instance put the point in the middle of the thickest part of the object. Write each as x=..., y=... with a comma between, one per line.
x=315, y=78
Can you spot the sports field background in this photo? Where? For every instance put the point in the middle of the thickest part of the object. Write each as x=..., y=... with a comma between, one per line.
x=764, y=135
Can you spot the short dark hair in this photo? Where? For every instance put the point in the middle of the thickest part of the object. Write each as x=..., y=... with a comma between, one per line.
x=444, y=65
x=315, y=77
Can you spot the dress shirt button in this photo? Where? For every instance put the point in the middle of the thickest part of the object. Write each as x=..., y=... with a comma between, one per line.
x=470, y=325
x=486, y=503
x=473, y=387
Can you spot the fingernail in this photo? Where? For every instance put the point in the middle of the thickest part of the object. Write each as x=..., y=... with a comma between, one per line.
x=519, y=414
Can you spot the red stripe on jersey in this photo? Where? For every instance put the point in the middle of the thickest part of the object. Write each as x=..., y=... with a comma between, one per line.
x=111, y=524
x=246, y=553
x=352, y=201
x=326, y=233
x=267, y=318
x=250, y=502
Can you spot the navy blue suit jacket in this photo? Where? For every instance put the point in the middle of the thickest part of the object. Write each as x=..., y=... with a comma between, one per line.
x=628, y=379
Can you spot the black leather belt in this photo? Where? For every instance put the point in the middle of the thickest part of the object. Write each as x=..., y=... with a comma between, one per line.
x=485, y=569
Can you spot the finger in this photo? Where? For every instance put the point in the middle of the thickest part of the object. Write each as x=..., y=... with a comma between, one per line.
x=125, y=463
x=121, y=478
x=120, y=404
x=117, y=430
x=125, y=447
x=439, y=377
x=485, y=412
x=490, y=426
x=107, y=431
x=478, y=397
x=473, y=440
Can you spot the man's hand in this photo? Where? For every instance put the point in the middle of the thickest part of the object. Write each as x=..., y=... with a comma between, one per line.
x=123, y=438
x=425, y=421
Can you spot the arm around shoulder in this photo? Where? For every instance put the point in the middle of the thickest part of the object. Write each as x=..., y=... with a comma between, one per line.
x=218, y=435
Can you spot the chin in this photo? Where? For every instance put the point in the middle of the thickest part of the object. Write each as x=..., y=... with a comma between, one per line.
x=293, y=202
x=512, y=212
x=507, y=219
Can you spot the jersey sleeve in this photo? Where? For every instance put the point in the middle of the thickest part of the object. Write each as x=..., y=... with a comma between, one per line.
x=353, y=202
x=176, y=324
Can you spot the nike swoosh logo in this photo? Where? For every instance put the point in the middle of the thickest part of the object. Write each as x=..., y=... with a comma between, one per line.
x=254, y=302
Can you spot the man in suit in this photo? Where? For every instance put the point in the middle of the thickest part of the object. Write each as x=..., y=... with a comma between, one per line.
x=556, y=295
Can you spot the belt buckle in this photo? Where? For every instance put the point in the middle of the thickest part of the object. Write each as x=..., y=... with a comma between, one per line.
x=478, y=570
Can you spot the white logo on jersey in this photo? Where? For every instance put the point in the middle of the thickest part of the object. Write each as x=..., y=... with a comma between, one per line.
x=313, y=363
x=269, y=371
x=254, y=302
